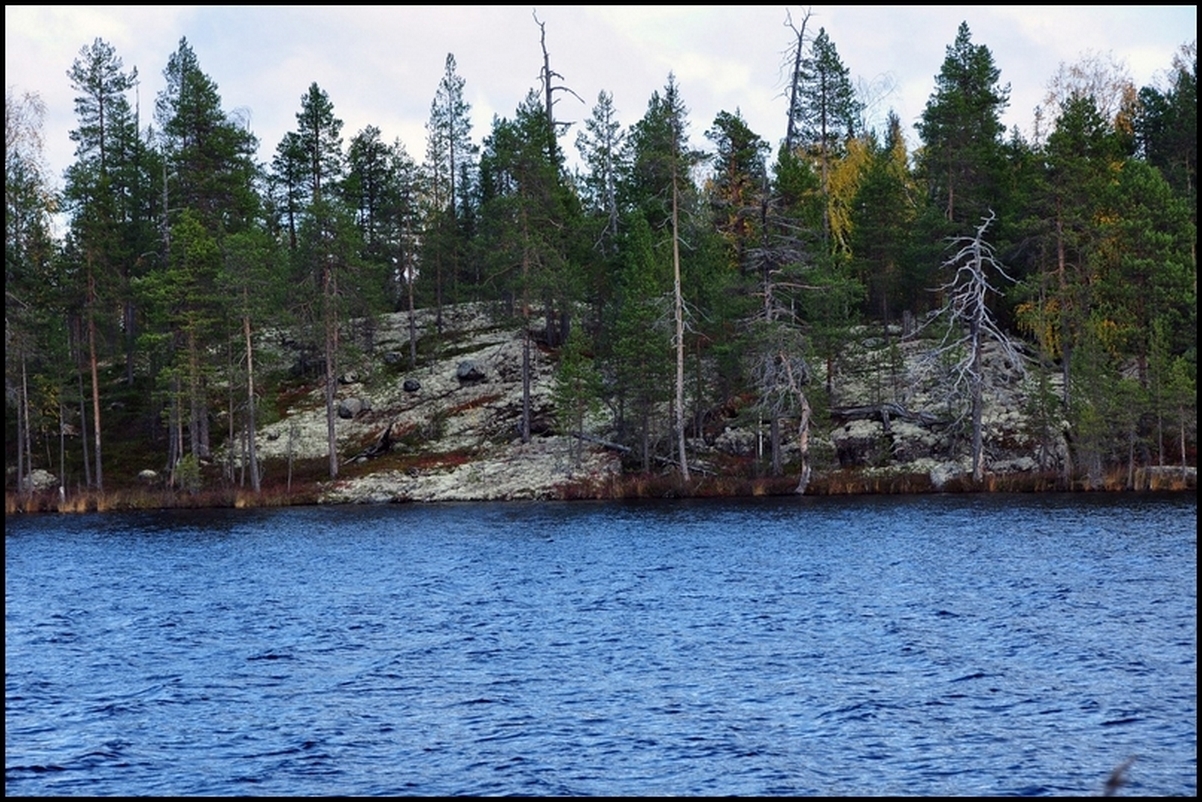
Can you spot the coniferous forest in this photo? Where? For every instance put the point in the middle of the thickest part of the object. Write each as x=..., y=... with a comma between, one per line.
x=135, y=338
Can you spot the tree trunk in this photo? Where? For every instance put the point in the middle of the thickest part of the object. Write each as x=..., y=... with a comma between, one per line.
x=412, y=318
x=1065, y=341
x=291, y=442
x=23, y=466
x=774, y=443
x=525, y=431
x=95, y=376
x=1184, y=464
x=62, y=450
x=193, y=397
x=331, y=338
x=978, y=469
x=130, y=319
x=678, y=412
x=803, y=439
x=83, y=404
x=526, y=385
x=791, y=129
x=252, y=449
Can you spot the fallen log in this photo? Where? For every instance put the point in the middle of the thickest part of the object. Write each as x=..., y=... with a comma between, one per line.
x=382, y=445
x=626, y=450
x=885, y=413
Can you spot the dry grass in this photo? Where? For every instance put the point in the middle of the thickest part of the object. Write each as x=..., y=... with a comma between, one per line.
x=474, y=403
x=143, y=498
x=854, y=483
x=307, y=487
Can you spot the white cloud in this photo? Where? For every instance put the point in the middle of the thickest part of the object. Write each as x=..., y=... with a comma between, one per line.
x=381, y=64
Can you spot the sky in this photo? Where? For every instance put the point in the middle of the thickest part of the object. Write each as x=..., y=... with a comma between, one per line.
x=380, y=65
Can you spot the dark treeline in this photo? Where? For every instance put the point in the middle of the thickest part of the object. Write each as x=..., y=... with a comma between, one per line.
x=670, y=283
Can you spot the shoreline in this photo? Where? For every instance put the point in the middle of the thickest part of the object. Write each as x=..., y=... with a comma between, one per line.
x=611, y=487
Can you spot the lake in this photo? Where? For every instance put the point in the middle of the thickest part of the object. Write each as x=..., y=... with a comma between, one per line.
x=948, y=644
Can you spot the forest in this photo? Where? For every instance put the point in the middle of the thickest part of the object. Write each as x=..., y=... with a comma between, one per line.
x=136, y=338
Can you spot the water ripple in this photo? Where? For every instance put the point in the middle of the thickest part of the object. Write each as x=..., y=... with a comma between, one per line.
x=937, y=646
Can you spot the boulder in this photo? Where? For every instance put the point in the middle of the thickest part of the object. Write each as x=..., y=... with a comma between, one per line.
x=39, y=479
x=736, y=442
x=411, y=385
x=469, y=372
x=351, y=407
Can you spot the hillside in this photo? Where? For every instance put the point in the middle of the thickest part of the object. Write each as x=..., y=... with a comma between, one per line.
x=452, y=438
x=449, y=430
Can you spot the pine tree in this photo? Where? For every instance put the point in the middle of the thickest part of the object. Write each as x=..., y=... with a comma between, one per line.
x=365, y=188
x=639, y=367
x=286, y=185
x=738, y=185
x=961, y=131
x=577, y=389
x=319, y=139
x=251, y=272
x=882, y=215
x=658, y=184
x=449, y=154
x=210, y=194
x=209, y=154
x=825, y=110
x=105, y=117
x=328, y=251
x=601, y=146
x=402, y=207
x=527, y=217
x=1081, y=155
x=1167, y=129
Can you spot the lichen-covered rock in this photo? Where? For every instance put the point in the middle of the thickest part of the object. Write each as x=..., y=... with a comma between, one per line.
x=350, y=408
x=467, y=403
x=39, y=479
x=469, y=371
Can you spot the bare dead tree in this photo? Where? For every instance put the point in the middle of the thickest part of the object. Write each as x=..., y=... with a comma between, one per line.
x=546, y=76
x=969, y=324
x=780, y=372
x=778, y=366
x=794, y=53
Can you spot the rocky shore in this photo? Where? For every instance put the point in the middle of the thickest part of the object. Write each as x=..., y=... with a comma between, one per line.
x=449, y=429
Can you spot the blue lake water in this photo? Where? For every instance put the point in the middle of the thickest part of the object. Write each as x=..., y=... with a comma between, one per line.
x=876, y=645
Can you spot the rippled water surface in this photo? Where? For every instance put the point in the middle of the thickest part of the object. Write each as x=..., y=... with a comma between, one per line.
x=933, y=645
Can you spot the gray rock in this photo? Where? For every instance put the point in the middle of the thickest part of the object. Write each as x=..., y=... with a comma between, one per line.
x=411, y=385
x=39, y=479
x=469, y=371
x=351, y=407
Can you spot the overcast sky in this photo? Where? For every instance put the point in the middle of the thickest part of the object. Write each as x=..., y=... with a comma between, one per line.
x=381, y=65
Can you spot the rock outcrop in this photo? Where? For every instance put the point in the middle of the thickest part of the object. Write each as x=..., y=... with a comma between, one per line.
x=457, y=418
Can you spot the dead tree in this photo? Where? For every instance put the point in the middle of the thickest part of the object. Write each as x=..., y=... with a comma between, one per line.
x=546, y=76
x=969, y=323
x=780, y=373
x=795, y=52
